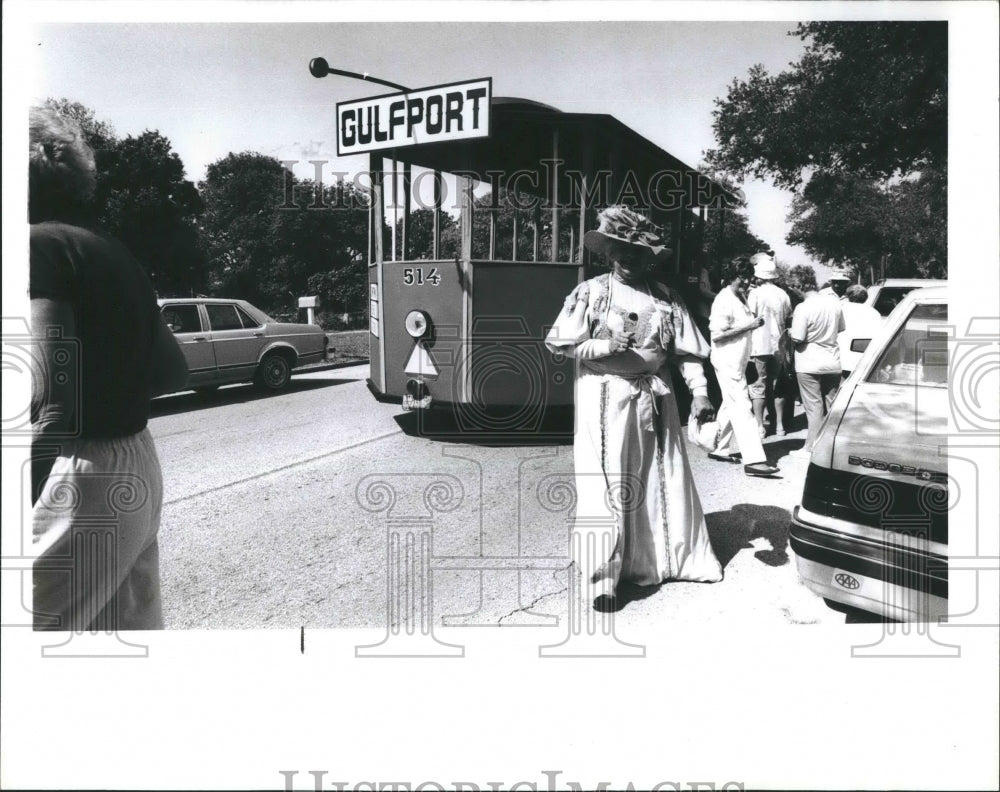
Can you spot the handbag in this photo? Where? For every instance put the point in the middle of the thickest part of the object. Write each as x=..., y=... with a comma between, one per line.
x=704, y=435
x=785, y=356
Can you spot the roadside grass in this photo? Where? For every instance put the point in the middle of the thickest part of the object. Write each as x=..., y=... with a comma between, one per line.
x=350, y=345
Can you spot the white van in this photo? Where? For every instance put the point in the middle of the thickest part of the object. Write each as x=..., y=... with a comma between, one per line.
x=885, y=295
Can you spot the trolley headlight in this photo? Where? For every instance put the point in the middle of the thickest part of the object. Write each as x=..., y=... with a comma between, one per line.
x=418, y=324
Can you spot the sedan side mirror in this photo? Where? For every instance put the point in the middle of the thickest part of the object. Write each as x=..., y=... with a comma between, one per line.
x=860, y=344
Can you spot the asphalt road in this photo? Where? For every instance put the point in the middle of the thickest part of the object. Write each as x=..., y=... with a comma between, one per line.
x=287, y=511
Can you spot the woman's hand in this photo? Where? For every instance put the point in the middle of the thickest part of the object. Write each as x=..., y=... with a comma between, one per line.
x=621, y=341
x=738, y=331
x=701, y=409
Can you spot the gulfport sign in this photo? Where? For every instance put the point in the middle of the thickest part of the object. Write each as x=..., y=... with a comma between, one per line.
x=428, y=115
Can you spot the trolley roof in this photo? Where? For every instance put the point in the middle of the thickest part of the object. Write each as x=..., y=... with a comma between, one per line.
x=525, y=133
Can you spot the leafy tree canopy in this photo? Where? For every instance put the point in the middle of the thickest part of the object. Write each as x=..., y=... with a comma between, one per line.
x=899, y=230
x=269, y=241
x=143, y=199
x=867, y=98
x=858, y=128
x=421, y=235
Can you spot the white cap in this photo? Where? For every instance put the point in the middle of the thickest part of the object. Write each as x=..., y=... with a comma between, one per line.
x=764, y=266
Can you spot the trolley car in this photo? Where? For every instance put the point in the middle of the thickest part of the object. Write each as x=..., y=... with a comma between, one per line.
x=467, y=330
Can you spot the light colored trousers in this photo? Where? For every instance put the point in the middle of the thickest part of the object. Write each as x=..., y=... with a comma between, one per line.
x=817, y=392
x=94, y=532
x=735, y=417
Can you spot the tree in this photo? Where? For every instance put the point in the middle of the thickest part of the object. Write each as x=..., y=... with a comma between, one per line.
x=726, y=232
x=898, y=230
x=269, y=241
x=142, y=198
x=421, y=235
x=858, y=129
x=868, y=99
x=504, y=210
x=338, y=248
x=149, y=205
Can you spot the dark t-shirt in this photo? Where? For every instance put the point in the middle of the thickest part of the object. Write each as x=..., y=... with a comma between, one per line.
x=115, y=310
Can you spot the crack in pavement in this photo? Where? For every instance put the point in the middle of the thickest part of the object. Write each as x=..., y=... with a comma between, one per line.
x=532, y=604
x=283, y=468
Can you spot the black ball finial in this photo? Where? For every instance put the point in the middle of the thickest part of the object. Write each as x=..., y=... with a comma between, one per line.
x=318, y=67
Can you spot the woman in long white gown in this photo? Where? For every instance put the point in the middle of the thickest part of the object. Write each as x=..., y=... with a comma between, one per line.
x=638, y=516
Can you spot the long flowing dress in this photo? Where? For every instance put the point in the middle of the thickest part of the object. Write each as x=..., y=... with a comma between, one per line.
x=638, y=516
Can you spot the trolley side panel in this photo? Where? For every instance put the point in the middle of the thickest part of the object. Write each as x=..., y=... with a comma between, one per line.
x=513, y=307
x=375, y=330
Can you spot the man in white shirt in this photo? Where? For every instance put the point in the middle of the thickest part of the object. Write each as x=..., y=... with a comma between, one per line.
x=837, y=286
x=860, y=321
x=816, y=323
x=770, y=303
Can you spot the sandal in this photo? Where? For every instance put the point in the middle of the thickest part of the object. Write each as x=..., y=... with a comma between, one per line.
x=760, y=469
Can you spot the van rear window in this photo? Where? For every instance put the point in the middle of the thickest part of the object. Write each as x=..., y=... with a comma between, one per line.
x=889, y=297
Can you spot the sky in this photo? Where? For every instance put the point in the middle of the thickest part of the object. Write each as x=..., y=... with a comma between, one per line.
x=216, y=88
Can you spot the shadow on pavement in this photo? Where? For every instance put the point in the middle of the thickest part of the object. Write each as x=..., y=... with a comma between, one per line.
x=628, y=592
x=731, y=531
x=236, y=394
x=494, y=428
x=778, y=449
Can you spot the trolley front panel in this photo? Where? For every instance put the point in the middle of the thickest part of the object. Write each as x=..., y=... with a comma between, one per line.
x=440, y=290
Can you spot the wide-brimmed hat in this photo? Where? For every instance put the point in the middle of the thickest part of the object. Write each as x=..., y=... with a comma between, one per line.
x=764, y=266
x=620, y=228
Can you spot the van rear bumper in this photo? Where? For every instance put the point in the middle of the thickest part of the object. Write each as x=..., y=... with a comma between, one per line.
x=899, y=582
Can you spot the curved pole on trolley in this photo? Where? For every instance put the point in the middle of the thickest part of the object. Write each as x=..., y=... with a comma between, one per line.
x=318, y=67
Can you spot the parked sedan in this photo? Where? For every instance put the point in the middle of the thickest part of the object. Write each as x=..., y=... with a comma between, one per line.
x=871, y=532
x=227, y=341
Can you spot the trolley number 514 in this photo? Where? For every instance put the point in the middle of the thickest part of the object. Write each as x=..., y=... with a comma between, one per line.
x=415, y=276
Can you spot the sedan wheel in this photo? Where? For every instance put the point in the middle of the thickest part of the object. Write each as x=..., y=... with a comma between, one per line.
x=274, y=372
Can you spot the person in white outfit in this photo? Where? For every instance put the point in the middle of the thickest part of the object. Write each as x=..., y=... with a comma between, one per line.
x=771, y=304
x=816, y=323
x=860, y=321
x=731, y=325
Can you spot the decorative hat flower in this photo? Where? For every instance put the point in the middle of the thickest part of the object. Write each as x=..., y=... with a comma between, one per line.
x=620, y=228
